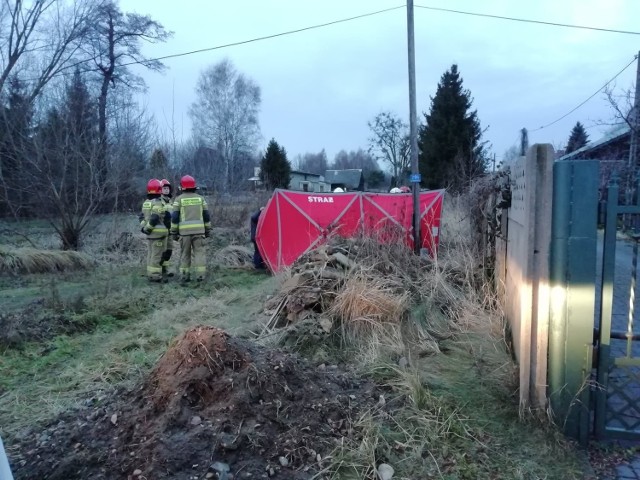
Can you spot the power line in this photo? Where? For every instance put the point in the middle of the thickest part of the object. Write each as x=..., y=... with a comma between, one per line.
x=242, y=42
x=589, y=98
x=526, y=20
x=334, y=22
x=233, y=44
x=266, y=37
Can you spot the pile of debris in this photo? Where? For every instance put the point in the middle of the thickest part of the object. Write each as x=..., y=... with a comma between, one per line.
x=344, y=285
x=213, y=407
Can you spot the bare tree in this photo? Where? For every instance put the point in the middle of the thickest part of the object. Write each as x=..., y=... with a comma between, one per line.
x=40, y=38
x=116, y=40
x=355, y=159
x=132, y=137
x=510, y=154
x=62, y=173
x=390, y=142
x=225, y=117
x=621, y=103
x=313, y=162
x=624, y=114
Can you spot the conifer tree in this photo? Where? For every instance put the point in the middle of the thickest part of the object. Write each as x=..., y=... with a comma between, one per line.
x=577, y=139
x=16, y=115
x=159, y=164
x=275, y=169
x=451, y=151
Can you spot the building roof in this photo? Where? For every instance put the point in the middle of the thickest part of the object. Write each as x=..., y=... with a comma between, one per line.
x=350, y=178
x=300, y=172
x=616, y=133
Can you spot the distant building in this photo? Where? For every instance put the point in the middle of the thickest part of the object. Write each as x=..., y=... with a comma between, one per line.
x=307, y=182
x=611, y=150
x=349, y=180
x=255, y=180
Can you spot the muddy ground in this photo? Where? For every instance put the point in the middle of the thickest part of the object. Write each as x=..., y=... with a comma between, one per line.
x=213, y=407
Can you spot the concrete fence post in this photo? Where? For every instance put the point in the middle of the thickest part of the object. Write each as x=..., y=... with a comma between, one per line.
x=526, y=285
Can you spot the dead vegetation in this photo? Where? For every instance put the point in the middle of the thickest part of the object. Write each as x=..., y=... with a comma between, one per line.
x=233, y=256
x=32, y=260
x=362, y=295
x=406, y=368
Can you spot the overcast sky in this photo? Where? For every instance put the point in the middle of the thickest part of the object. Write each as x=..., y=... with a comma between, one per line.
x=321, y=87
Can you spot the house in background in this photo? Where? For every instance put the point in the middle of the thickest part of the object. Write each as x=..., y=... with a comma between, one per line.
x=307, y=182
x=349, y=180
x=611, y=150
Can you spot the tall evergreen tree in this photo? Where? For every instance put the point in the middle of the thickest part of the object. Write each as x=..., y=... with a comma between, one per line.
x=16, y=115
x=577, y=139
x=275, y=169
x=451, y=151
x=80, y=117
x=158, y=163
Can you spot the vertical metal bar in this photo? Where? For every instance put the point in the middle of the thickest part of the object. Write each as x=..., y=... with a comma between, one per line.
x=606, y=306
x=632, y=298
x=277, y=195
x=585, y=399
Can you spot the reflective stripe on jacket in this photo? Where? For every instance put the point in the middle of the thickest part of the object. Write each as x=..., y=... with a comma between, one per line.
x=155, y=219
x=145, y=213
x=190, y=215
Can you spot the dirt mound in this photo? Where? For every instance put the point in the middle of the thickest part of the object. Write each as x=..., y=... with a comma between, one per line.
x=213, y=407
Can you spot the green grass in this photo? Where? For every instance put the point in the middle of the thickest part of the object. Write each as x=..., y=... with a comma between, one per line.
x=125, y=331
x=450, y=415
x=455, y=416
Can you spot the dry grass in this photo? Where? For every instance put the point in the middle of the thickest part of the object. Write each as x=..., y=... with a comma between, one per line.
x=32, y=260
x=233, y=256
x=366, y=301
x=235, y=210
x=449, y=415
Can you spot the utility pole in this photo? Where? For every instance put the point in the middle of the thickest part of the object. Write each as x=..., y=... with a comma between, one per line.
x=634, y=121
x=413, y=129
x=630, y=222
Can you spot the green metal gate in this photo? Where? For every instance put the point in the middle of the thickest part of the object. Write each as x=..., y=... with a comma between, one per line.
x=617, y=387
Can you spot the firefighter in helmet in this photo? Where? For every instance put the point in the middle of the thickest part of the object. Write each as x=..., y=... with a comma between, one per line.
x=166, y=198
x=155, y=221
x=190, y=224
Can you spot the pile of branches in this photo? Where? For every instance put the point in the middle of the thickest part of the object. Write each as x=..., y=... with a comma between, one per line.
x=357, y=288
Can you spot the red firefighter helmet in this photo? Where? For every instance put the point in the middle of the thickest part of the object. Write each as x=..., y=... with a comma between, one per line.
x=154, y=186
x=187, y=182
x=165, y=183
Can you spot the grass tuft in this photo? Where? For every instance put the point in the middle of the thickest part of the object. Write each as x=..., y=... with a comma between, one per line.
x=233, y=256
x=367, y=304
x=32, y=260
